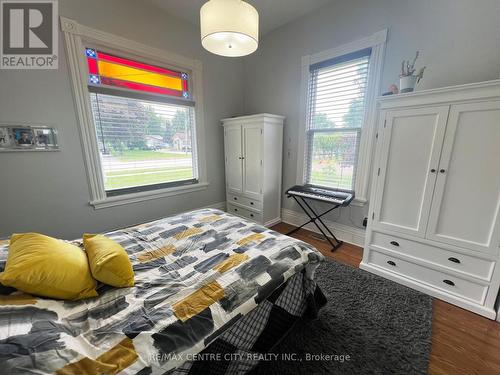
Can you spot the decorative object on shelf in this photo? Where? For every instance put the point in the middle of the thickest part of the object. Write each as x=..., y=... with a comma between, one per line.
x=28, y=138
x=408, y=79
x=393, y=90
x=229, y=27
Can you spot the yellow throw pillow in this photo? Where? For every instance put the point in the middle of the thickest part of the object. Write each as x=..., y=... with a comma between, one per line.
x=45, y=266
x=109, y=262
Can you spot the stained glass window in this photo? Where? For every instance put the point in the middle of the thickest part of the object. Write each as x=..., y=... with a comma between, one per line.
x=106, y=70
x=144, y=117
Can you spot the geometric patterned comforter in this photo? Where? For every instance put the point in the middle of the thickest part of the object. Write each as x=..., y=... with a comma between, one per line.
x=202, y=279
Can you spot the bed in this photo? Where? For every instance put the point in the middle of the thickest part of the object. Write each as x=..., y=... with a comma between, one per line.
x=213, y=293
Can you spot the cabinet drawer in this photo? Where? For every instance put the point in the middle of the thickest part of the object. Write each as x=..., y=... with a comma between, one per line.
x=451, y=284
x=247, y=214
x=456, y=261
x=248, y=202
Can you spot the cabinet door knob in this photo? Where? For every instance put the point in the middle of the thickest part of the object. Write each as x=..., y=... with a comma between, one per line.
x=390, y=262
x=454, y=260
x=251, y=203
x=235, y=198
x=442, y=170
x=251, y=215
x=449, y=282
x=394, y=243
x=236, y=209
x=433, y=170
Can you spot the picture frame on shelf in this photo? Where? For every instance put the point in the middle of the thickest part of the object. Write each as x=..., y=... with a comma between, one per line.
x=18, y=137
x=23, y=137
x=5, y=138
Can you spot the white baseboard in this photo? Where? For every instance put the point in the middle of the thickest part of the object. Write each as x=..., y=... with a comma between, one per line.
x=352, y=235
x=272, y=222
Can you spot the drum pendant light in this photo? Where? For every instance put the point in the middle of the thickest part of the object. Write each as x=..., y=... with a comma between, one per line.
x=229, y=27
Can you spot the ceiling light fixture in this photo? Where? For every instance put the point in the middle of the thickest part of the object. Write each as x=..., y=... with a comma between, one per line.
x=229, y=27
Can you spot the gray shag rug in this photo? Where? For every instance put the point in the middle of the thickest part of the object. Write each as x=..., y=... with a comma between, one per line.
x=384, y=327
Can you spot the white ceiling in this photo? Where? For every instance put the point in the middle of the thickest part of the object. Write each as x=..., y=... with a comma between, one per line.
x=272, y=13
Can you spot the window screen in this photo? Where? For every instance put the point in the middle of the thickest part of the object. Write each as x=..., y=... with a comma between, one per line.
x=336, y=106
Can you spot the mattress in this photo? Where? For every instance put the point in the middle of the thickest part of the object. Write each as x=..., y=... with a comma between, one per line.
x=202, y=278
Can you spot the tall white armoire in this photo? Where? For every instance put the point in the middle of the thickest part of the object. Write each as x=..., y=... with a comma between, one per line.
x=434, y=222
x=253, y=147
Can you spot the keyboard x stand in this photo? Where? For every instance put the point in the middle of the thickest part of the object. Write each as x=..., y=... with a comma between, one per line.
x=314, y=218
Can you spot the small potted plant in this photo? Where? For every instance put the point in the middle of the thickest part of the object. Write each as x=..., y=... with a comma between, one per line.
x=408, y=79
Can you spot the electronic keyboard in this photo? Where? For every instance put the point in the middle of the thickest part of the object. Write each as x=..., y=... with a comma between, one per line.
x=339, y=197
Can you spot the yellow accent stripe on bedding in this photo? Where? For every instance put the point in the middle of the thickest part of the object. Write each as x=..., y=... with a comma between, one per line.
x=17, y=299
x=210, y=218
x=198, y=301
x=116, y=359
x=187, y=233
x=150, y=255
x=248, y=239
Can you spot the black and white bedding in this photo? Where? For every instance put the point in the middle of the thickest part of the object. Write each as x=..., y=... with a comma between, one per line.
x=212, y=291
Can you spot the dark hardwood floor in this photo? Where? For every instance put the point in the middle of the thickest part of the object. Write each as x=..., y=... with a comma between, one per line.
x=463, y=343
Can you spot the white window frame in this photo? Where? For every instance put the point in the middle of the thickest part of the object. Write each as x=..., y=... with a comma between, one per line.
x=76, y=36
x=377, y=44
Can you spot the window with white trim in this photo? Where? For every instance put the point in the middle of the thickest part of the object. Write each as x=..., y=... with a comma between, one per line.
x=339, y=87
x=335, y=116
x=144, y=123
x=140, y=116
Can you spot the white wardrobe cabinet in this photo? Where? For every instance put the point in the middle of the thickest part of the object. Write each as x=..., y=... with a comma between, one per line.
x=253, y=147
x=409, y=154
x=465, y=210
x=435, y=199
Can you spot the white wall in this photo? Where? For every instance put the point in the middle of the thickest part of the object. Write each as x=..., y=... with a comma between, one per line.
x=459, y=42
x=48, y=192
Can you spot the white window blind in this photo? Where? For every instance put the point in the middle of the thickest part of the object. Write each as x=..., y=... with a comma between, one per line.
x=336, y=109
x=143, y=144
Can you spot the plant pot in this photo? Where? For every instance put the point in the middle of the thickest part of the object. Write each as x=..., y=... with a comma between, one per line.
x=407, y=83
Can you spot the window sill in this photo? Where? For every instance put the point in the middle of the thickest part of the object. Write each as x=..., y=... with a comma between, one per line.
x=120, y=200
x=359, y=202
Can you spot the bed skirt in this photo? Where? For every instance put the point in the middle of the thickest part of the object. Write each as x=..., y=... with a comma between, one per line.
x=242, y=345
